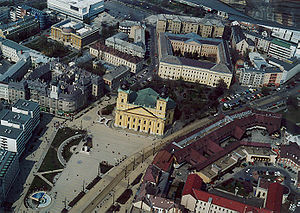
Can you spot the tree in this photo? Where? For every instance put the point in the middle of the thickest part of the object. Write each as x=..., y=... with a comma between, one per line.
x=265, y=90
x=292, y=101
x=220, y=88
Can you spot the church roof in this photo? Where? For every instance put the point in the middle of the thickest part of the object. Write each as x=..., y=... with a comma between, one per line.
x=147, y=97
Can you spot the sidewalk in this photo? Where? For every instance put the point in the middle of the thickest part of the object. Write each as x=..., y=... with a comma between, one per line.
x=122, y=186
x=36, y=157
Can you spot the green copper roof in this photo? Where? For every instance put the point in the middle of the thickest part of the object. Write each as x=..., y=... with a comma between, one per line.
x=147, y=97
x=281, y=43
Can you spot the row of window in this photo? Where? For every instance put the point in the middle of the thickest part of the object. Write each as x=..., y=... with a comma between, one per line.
x=138, y=128
x=139, y=120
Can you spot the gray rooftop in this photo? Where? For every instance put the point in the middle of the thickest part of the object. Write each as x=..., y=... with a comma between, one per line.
x=287, y=65
x=13, y=44
x=10, y=132
x=115, y=73
x=26, y=105
x=15, y=68
x=16, y=118
x=238, y=34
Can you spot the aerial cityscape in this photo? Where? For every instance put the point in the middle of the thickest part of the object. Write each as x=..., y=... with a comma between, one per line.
x=158, y=106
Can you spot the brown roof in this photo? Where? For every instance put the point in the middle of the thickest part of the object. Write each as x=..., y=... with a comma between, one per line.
x=163, y=160
x=152, y=174
x=193, y=181
x=274, y=197
x=291, y=151
x=127, y=57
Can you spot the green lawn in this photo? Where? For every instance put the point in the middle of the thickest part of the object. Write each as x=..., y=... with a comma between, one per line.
x=50, y=176
x=66, y=151
x=50, y=161
x=63, y=134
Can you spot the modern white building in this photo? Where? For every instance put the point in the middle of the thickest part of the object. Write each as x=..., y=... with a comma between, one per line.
x=17, y=125
x=281, y=49
x=79, y=9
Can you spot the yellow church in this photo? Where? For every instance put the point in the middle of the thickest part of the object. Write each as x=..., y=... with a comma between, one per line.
x=144, y=110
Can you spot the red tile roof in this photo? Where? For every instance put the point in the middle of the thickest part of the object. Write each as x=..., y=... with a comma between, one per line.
x=226, y=203
x=193, y=181
x=152, y=174
x=274, y=197
x=163, y=160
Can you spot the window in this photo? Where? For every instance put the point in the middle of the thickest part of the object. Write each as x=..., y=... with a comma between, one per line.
x=160, y=108
x=128, y=118
x=120, y=116
x=122, y=100
x=134, y=120
x=158, y=125
x=144, y=122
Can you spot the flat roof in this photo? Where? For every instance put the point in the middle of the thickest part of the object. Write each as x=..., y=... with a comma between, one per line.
x=26, y=105
x=16, y=118
x=10, y=132
x=281, y=43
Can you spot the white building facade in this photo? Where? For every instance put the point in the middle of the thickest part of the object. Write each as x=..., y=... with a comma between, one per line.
x=79, y=9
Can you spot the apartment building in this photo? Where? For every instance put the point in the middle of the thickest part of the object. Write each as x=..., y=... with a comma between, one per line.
x=13, y=30
x=272, y=76
x=196, y=200
x=144, y=111
x=25, y=10
x=18, y=124
x=74, y=33
x=240, y=42
x=116, y=57
x=120, y=42
x=205, y=27
x=14, y=52
x=261, y=41
x=113, y=78
x=251, y=77
x=127, y=25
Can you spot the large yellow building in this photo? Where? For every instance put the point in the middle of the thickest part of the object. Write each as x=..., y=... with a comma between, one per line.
x=144, y=111
x=192, y=70
x=74, y=33
x=185, y=24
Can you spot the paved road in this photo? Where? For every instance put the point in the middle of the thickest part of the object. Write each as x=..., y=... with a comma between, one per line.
x=287, y=182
